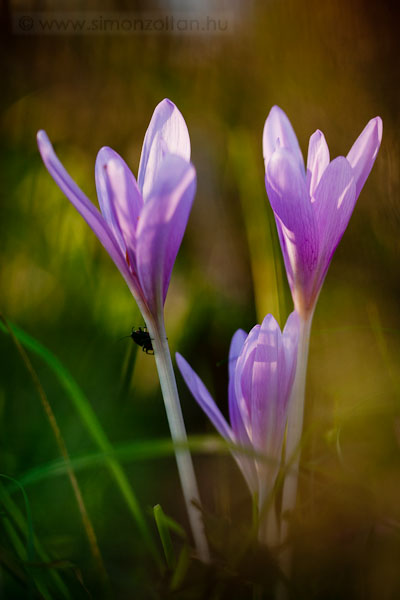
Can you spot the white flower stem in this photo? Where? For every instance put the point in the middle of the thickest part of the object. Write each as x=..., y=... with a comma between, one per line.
x=295, y=426
x=178, y=434
x=293, y=450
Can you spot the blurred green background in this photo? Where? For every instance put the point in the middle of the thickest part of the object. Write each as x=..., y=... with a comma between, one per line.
x=330, y=65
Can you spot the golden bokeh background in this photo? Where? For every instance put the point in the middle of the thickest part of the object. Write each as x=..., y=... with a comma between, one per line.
x=330, y=65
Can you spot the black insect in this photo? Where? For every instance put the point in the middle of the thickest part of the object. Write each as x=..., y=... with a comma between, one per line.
x=142, y=338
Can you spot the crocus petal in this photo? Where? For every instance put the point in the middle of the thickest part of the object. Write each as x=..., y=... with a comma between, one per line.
x=278, y=127
x=335, y=198
x=264, y=385
x=161, y=227
x=288, y=196
x=105, y=197
x=235, y=349
x=290, y=334
x=119, y=199
x=206, y=402
x=364, y=150
x=235, y=416
x=245, y=463
x=317, y=160
x=83, y=205
x=203, y=398
x=167, y=134
x=287, y=364
x=269, y=413
x=242, y=379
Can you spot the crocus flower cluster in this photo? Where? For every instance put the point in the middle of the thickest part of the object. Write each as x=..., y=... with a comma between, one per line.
x=141, y=225
x=261, y=372
x=142, y=222
x=312, y=206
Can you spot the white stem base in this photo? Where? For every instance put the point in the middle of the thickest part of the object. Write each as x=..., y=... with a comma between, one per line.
x=293, y=435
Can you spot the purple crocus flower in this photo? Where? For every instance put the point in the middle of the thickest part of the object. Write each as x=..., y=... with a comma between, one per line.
x=141, y=223
x=312, y=206
x=261, y=372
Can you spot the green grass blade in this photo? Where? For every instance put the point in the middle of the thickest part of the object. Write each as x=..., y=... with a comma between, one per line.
x=30, y=547
x=163, y=530
x=181, y=569
x=142, y=450
x=94, y=428
x=20, y=523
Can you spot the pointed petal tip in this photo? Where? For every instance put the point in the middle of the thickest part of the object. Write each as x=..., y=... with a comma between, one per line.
x=379, y=125
x=363, y=152
x=43, y=142
x=104, y=149
x=104, y=156
x=276, y=109
x=278, y=127
x=270, y=323
x=317, y=134
x=235, y=348
x=275, y=113
x=165, y=103
x=239, y=333
x=167, y=133
x=376, y=125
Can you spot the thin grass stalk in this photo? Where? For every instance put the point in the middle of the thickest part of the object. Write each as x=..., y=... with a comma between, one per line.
x=21, y=524
x=95, y=430
x=87, y=524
